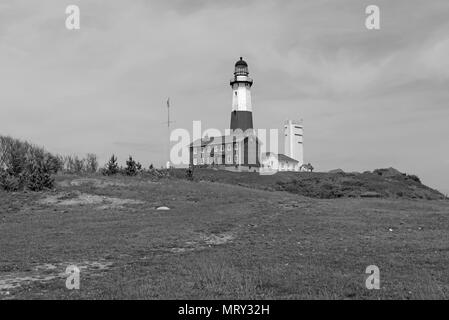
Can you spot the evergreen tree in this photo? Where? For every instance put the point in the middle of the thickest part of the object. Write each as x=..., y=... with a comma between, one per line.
x=111, y=167
x=131, y=167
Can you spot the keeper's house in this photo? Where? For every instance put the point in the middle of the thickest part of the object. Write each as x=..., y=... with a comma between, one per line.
x=232, y=152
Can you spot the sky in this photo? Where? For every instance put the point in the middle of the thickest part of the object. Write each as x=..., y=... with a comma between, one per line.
x=368, y=98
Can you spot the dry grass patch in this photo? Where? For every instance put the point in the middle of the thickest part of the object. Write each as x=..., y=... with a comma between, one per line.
x=48, y=272
x=77, y=198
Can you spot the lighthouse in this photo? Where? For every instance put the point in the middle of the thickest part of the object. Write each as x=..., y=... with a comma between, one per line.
x=241, y=115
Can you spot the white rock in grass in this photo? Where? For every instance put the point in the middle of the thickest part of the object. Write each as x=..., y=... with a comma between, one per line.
x=162, y=208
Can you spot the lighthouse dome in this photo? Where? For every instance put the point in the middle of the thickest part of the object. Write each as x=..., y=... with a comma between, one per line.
x=241, y=67
x=241, y=62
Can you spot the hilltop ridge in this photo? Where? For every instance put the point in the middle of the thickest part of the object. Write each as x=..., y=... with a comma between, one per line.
x=380, y=183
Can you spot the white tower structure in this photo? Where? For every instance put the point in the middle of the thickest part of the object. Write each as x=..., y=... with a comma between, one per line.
x=293, y=140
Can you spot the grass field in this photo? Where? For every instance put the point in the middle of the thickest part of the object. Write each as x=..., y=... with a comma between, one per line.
x=217, y=241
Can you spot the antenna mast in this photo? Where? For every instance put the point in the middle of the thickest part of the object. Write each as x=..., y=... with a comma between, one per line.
x=168, y=127
x=168, y=113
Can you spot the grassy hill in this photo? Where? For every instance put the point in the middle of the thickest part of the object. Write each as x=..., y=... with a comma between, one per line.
x=218, y=240
x=383, y=183
x=225, y=235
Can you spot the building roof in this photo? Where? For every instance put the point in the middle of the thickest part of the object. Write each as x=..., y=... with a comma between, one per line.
x=281, y=157
x=220, y=140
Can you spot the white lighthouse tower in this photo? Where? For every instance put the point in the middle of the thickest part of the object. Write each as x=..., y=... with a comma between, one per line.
x=241, y=115
x=293, y=140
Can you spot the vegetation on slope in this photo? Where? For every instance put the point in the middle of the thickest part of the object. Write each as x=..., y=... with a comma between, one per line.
x=23, y=165
x=26, y=166
x=381, y=183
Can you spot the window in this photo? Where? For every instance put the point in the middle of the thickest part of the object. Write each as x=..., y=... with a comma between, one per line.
x=229, y=147
x=195, y=151
x=236, y=146
x=229, y=159
x=208, y=149
x=236, y=158
x=216, y=148
x=195, y=162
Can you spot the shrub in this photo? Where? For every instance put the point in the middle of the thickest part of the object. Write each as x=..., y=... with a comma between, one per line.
x=307, y=167
x=23, y=165
x=39, y=177
x=189, y=173
x=73, y=164
x=9, y=182
x=14, y=155
x=414, y=178
x=55, y=163
x=156, y=174
x=79, y=164
x=111, y=167
x=91, y=163
x=132, y=167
